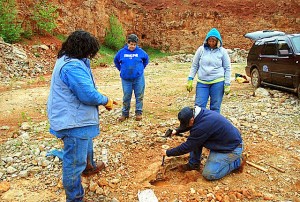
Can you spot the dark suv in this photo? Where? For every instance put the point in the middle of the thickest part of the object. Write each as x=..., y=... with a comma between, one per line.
x=274, y=60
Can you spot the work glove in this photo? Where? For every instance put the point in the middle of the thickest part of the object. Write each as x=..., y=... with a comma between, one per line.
x=189, y=85
x=226, y=90
x=109, y=104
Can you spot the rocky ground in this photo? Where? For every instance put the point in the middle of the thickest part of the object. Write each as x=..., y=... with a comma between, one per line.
x=269, y=121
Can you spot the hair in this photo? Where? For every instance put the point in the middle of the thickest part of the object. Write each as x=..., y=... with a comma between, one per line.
x=132, y=38
x=80, y=44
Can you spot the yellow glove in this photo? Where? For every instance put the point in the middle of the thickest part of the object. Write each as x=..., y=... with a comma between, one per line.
x=226, y=90
x=240, y=79
x=109, y=104
x=189, y=85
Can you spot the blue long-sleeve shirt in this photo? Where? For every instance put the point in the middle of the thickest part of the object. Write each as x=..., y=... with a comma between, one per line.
x=131, y=64
x=212, y=131
x=81, y=82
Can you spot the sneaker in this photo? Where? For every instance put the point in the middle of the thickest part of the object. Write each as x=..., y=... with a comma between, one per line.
x=122, y=118
x=138, y=117
x=189, y=167
x=91, y=171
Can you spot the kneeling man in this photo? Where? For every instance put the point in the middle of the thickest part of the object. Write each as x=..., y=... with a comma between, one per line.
x=213, y=131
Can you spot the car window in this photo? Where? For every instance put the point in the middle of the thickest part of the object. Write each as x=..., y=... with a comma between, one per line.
x=269, y=49
x=283, y=45
x=296, y=42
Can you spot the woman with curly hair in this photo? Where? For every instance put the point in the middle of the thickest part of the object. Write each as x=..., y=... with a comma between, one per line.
x=73, y=110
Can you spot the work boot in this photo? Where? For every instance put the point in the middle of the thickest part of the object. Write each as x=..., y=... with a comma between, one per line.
x=93, y=170
x=188, y=167
x=122, y=118
x=138, y=117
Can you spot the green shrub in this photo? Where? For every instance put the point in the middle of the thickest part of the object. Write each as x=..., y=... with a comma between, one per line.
x=10, y=28
x=115, y=37
x=45, y=15
x=61, y=37
x=27, y=30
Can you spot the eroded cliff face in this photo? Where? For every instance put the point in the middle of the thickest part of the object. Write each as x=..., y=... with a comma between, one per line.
x=179, y=25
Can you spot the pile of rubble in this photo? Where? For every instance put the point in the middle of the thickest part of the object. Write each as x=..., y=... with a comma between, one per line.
x=25, y=61
x=16, y=62
x=236, y=55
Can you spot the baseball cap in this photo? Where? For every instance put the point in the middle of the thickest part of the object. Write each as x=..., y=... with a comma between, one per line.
x=184, y=117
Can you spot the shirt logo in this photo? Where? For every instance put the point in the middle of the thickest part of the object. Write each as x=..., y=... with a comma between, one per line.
x=131, y=55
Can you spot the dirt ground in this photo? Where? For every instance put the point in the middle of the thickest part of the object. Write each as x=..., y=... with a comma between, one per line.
x=139, y=143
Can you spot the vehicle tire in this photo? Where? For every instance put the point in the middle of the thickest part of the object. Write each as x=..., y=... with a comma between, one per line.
x=255, y=78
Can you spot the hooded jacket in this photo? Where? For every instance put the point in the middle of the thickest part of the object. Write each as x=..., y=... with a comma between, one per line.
x=211, y=64
x=131, y=64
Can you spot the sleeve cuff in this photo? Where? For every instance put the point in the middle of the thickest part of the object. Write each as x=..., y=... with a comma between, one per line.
x=167, y=152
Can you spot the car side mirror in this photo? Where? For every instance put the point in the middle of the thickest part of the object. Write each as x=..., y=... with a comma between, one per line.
x=284, y=52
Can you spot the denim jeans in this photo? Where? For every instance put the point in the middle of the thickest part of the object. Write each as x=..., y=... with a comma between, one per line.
x=138, y=87
x=195, y=156
x=77, y=152
x=214, y=91
x=220, y=164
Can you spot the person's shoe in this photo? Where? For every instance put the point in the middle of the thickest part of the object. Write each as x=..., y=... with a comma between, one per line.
x=122, y=118
x=91, y=171
x=138, y=117
x=189, y=167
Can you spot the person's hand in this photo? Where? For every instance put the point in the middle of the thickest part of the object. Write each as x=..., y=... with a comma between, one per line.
x=164, y=152
x=189, y=85
x=226, y=90
x=109, y=104
x=173, y=132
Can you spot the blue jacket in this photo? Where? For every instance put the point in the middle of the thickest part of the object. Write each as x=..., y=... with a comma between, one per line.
x=212, y=131
x=211, y=64
x=73, y=99
x=131, y=64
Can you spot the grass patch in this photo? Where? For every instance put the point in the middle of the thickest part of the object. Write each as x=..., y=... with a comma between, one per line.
x=107, y=55
x=61, y=37
x=155, y=53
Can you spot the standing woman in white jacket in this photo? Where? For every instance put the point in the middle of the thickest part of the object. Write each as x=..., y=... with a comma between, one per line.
x=212, y=63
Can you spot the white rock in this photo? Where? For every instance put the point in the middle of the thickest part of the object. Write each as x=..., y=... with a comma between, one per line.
x=23, y=173
x=11, y=170
x=4, y=128
x=25, y=126
x=262, y=92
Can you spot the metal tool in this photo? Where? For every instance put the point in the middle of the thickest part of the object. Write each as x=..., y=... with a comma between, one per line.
x=168, y=133
x=163, y=161
x=160, y=176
